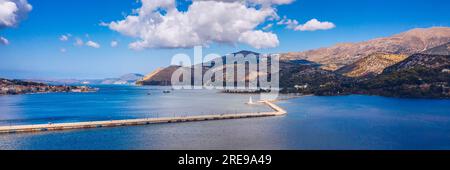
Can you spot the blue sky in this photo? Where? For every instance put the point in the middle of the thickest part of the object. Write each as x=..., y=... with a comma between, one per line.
x=34, y=49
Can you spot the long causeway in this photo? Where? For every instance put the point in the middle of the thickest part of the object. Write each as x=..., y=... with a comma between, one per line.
x=277, y=111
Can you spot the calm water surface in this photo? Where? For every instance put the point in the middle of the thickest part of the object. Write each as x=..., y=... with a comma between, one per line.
x=344, y=122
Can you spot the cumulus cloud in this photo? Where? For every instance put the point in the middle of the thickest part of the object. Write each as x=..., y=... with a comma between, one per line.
x=78, y=42
x=311, y=25
x=114, y=43
x=290, y=23
x=4, y=41
x=159, y=24
x=92, y=44
x=315, y=24
x=12, y=11
x=89, y=43
x=271, y=2
x=65, y=37
x=259, y=2
x=62, y=50
x=259, y=39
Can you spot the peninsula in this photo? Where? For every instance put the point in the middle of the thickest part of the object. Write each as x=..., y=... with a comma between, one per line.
x=13, y=87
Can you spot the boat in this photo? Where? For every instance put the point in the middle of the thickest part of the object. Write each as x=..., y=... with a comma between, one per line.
x=166, y=91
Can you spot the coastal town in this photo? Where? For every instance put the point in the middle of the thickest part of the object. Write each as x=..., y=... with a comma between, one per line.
x=13, y=87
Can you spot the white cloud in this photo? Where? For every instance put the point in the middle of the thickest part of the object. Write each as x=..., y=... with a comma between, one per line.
x=267, y=27
x=276, y=2
x=205, y=22
x=78, y=42
x=259, y=39
x=114, y=43
x=311, y=25
x=92, y=44
x=65, y=37
x=104, y=24
x=4, y=41
x=314, y=24
x=12, y=11
x=63, y=50
x=290, y=23
x=260, y=2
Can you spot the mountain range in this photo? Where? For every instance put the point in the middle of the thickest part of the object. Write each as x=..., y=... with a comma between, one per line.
x=424, y=74
x=406, y=43
x=410, y=64
x=130, y=78
x=372, y=64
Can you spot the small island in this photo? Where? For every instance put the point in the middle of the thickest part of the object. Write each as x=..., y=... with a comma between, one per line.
x=14, y=87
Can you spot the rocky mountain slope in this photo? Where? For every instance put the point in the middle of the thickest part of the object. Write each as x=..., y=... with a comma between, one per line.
x=161, y=77
x=439, y=50
x=372, y=64
x=407, y=43
x=420, y=75
x=299, y=76
x=311, y=79
x=130, y=78
x=434, y=58
x=427, y=61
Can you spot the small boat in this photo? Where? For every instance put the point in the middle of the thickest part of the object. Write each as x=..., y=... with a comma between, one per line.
x=166, y=91
x=148, y=93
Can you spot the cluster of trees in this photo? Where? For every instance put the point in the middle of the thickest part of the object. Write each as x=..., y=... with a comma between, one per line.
x=418, y=82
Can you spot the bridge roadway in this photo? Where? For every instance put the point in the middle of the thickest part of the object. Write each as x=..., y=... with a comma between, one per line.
x=277, y=111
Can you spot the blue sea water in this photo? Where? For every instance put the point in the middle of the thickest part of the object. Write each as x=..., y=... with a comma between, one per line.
x=312, y=122
x=113, y=102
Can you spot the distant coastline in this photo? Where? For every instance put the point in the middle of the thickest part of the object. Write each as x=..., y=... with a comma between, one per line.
x=16, y=87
